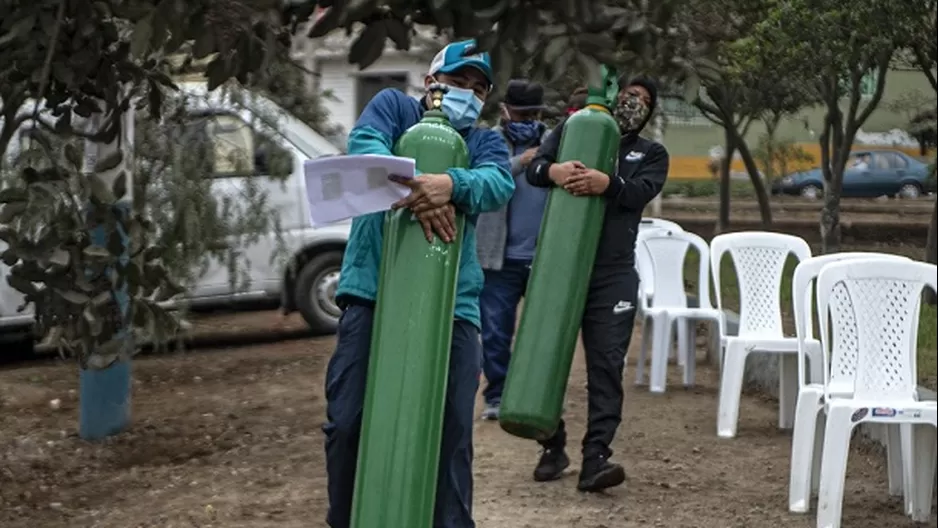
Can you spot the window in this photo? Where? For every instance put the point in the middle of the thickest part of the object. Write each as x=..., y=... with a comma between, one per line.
x=236, y=150
x=367, y=86
x=891, y=160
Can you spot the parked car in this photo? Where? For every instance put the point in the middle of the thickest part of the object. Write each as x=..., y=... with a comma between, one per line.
x=306, y=280
x=869, y=174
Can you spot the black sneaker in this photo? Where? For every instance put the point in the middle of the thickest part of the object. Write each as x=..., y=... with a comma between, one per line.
x=598, y=474
x=551, y=465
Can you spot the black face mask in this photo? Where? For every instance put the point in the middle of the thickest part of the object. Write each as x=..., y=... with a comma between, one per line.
x=631, y=114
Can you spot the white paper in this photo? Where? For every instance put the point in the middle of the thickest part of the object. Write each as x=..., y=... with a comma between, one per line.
x=343, y=187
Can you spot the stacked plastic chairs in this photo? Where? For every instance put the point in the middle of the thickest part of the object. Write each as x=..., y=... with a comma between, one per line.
x=666, y=250
x=868, y=320
x=810, y=411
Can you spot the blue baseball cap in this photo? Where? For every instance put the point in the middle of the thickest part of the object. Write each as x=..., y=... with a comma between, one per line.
x=460, y=55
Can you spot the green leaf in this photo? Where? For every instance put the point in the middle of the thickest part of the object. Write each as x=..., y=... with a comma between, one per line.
x=19, y=30
x=100, y=191
x=97, y=253
x=9, y=212
x=326, y=23
x=95, y=325
x=369, y=45
x=13, y=194
x=73, y=156
x=21, y=285
x=109, y=162
x=106, y=354
x=73, y=296
x=120, y=185
x=204, y=44
x=140, y=39
x=60, y=257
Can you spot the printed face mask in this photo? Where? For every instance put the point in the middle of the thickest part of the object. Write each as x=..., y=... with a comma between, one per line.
x=631, y=114
x=461, y=106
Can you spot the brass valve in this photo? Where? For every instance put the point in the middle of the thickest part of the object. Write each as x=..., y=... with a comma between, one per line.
x=437, y=91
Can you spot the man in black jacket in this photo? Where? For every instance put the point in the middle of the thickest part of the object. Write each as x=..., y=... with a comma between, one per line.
x=610, y=306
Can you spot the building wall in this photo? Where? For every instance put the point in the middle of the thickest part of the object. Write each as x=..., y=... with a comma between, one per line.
x=690, y=141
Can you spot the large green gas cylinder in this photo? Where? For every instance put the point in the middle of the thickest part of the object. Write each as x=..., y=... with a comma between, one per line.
x=398, y=456
x=556, y=296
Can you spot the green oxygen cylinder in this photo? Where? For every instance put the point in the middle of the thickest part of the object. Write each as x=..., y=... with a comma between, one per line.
x=402, y=423
x=532, y=401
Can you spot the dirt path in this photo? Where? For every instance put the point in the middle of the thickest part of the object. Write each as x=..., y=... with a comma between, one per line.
x=231, y=439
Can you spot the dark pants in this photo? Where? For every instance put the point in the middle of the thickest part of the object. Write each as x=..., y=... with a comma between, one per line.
x=499, y=303
x=345, y=394
x=606, y=330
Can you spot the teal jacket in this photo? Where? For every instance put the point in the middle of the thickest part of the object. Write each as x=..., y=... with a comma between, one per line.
x=487, y=186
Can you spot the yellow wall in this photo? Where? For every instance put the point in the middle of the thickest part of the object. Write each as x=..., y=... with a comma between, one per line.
x=695, y=167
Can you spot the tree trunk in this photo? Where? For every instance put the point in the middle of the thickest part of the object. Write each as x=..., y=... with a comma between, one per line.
x=758, y=184
x=723, y=222
x=830, y=220
x=931, y=250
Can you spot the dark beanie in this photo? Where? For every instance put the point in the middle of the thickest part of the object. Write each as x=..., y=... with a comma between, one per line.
x=645, y=82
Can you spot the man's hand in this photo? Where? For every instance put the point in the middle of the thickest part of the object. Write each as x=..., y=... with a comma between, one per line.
x=428, y=191
x=441, y=221
x=590, y=182
x=527, y=156
x=560, y=173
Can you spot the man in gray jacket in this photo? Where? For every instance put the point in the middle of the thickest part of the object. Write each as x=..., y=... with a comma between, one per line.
x=506, y=238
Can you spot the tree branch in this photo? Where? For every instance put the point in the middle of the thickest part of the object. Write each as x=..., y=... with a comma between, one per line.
x=882, y=68
x=922, y=59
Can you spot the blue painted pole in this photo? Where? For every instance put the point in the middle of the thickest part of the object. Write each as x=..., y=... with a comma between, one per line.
x=105, y=390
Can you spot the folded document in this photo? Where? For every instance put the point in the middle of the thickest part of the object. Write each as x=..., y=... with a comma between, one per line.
x=343, y=187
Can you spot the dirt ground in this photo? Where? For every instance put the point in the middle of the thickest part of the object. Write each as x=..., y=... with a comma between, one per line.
x=231, y=438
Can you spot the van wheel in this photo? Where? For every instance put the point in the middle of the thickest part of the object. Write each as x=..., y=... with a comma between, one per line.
x=315, y=292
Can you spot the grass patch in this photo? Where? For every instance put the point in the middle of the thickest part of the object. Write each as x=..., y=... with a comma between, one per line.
x=927, y=328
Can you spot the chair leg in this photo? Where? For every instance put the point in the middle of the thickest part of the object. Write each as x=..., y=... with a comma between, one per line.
x=802, y=451
x=815, y=368
x=680, y=351
x=819, y=429
x=894, y=460
x=731, y=387
x=690, y=354
x=834, y=467
x=923, y=472
x=787, y=389
x=647, y=328
x=661, y=344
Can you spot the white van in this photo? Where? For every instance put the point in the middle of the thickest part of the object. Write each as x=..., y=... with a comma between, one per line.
x=307, y=278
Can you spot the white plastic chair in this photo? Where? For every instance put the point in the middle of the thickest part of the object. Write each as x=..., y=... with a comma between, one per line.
x=685, y=336
x=759, y=258
x=879, y=303
x=651, y=222
x=809, y=411
x=667, y=250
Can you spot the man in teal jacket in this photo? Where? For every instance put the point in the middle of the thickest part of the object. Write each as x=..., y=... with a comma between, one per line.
x=487, y=186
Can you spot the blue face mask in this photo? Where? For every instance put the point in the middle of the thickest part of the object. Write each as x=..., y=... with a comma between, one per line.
x=462, y=107
x=523, y=132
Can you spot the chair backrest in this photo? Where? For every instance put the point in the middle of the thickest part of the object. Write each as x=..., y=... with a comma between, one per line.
x=759, y=259
x=650, y=222
x=667, y=250
x=643, y=265
x=880, y=302
x=802, y=296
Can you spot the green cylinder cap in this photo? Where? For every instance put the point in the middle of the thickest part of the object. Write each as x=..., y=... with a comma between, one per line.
x=605, y=90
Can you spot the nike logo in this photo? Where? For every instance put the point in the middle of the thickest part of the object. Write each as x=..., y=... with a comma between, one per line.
x=621, y=307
